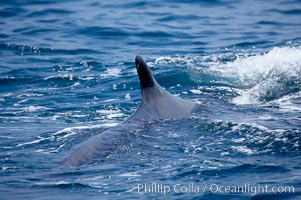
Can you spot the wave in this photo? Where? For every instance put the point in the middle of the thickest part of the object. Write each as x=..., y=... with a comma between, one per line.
x=253, y=78
x=265, y=77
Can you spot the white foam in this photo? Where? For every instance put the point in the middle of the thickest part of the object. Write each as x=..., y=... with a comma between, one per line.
x=110, y=114
x=51, y=183
x=239, y=140
x=30, y=95
x=243, y=149
x=105, y=111
x=253, y=68
x=32, y=142
x=34, y=108
x=127, y=96
x=68, y=76
x=264, y=74
x=114, y=115
x=286, y=103
x=111, y=72
x=88, y=78
x=187, y=60
x=8, y=94
x=195, y=91
x=261, y=75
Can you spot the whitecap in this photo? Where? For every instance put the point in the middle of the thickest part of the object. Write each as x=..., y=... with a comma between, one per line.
x=36, y=141
x=34, y=108
x=30, y=95
x=196, y=91
x=111, y=72
x=109, y=114
x=127, y=96
x=261, y=77
x=109, y=100
x=8, y=94
x=243, y=149
x=266, y=77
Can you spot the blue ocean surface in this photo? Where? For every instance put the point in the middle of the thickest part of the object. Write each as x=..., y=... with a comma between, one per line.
x=67, y=73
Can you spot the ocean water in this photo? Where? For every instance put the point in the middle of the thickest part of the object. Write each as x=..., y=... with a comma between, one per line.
x=67, y=73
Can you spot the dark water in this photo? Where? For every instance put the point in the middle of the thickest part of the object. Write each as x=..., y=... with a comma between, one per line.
x=67, y=73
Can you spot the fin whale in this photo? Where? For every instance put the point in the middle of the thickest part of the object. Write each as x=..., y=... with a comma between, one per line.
x=156, y=103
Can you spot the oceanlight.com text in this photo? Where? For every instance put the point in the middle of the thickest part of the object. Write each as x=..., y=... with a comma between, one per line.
x=194, y=188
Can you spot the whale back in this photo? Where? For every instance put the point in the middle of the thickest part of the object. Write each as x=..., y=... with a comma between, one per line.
x=156, y=103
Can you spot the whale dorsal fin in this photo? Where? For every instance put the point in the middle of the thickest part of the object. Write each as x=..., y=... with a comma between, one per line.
x=156, y=103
